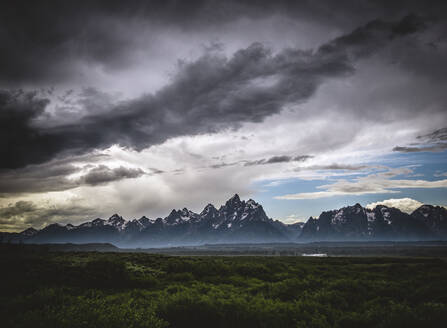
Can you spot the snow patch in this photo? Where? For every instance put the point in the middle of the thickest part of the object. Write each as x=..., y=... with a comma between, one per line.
x=338, y=217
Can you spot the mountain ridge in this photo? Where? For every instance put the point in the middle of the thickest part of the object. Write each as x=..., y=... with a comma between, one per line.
x=240, y=221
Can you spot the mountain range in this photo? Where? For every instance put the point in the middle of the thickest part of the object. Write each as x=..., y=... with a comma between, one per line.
x=240, y=221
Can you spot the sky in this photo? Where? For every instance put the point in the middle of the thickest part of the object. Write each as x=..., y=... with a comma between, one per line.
x=139, y=107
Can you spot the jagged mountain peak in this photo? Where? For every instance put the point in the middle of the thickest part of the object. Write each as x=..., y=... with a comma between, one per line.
x=186, y=212
x=233, y=201
x=356, y=208
x=251, y=203
x=117, y=221
x=208, y=208
x=144, y=220
x=116, y=218
x=180, y=216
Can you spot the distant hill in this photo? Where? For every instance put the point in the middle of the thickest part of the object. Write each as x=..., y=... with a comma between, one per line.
x=240, y=221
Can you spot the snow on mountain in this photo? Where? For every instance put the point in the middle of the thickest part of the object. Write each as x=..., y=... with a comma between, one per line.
x=358, y=223
x=246, y=221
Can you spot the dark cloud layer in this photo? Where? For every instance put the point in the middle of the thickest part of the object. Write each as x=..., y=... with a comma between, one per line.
x=207, y=95
x=53, y=176
x=37, y=178
x=46, y=40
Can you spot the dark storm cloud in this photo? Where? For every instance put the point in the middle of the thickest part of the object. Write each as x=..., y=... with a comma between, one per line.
x=52, y=176
x=52, y=42
x=18, y=136
x=103, y=174
x=364, y=40
x=435, y=141
x=206, y=95
x=37, y=178
x=47, y=40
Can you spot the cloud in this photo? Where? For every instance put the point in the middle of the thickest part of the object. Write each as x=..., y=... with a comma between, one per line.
x=278, y=159
x=207, y=95
x=66, y=174
x=46, y=177
x=221, y=165
x=103, y=174
x=435, y=141
x=335, y=166
x=406, y=205
x=108, y=34
x=329, y=167
x=23, y=214
x=438, y=135
x=31, y=179
x=76, y=37
x=380, y=183
x=434, y=148
x=294, y=218
x=271, y=160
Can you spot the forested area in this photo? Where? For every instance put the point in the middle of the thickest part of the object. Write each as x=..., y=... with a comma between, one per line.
x=92, y=289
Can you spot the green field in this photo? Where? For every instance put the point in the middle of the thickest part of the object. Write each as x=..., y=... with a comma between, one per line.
x=92, y=289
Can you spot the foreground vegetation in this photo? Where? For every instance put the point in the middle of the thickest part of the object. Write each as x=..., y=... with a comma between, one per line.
x=90, y=289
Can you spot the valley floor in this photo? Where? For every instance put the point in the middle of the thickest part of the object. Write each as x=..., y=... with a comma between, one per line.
x=333, y=248
x=137, y=289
